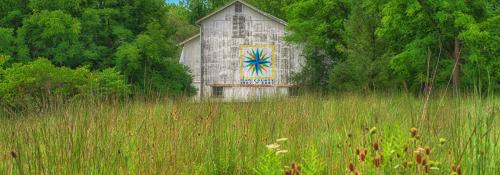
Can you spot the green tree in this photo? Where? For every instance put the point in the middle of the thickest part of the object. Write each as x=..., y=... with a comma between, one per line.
x=364, y=67
x=51, y=34
x=429, y=32
x=318, y=25
x=101, y=34
x=152, y=67
x=7, y=46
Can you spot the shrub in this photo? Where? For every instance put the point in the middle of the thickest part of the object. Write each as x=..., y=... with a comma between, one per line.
x=31, y=85
x=105, y=84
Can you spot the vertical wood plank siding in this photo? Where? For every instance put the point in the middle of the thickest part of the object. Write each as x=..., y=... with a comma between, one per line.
x=221, y=37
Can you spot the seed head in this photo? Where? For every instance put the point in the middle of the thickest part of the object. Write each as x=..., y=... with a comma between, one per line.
x=13, y=154
x=418, y=156
x=414, y=132
x=427, y=150
x=362, y=156
x=459, y=170
x=424, y=162
x=295, y=168
x=377, y=161
x=376, y=146
x=351, y=167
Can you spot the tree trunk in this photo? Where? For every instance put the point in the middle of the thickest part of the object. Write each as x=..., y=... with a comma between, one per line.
x=457, y=66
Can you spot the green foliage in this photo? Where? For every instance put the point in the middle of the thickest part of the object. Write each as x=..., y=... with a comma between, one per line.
x=38, y=83
x=364, y=67
x=68, y=6
x=269, y=164
x=94, y=34
x=436, y=33
x=7, y=46
x=392, y=44
x=108, y=83
x=149, y=66
x=313, y=164
x=53, y=35
x=318, y=25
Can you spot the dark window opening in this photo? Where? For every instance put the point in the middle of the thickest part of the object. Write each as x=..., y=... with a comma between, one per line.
x=239, y=26
x=217, y=91
x=238, y=8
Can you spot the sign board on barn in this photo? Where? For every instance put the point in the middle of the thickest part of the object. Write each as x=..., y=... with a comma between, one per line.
x=257, y=64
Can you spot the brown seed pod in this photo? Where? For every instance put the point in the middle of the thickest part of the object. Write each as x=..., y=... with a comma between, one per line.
x=13, y=154
x=377, y=161
x=351, y=167
x=427, y=150
x=376, y=146
x=295, y=168
x=426, y=169
x=362, y=156
x=418, y=156
x=414, y=132
x=459, y=170
x=424, y=162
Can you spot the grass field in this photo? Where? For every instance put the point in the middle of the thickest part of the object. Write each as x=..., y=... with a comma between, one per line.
x=324, y=136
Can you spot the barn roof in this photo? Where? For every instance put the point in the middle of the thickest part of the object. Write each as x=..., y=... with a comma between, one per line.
x=248, y=5
x=189, y=39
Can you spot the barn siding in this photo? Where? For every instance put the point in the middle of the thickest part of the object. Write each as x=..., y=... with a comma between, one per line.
x=191, y=58
x=222, y=34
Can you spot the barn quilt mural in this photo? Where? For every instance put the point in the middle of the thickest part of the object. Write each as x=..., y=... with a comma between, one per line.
x=257, y=64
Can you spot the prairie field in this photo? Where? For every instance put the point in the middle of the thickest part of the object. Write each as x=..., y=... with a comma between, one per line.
x=341, y=134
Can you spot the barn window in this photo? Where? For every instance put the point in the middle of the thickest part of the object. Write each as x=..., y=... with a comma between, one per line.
x=238, y=8
x=239, y=26
x=217, y=91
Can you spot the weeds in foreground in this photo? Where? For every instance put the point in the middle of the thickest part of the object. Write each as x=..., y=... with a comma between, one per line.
x=340, y=135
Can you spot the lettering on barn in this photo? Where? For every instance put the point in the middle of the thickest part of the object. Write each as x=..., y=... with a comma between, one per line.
x=240, y=53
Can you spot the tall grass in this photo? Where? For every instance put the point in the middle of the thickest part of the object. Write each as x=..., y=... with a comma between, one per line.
x=182, y=137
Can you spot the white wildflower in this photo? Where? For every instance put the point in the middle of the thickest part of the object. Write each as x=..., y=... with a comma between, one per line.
x=273, y=146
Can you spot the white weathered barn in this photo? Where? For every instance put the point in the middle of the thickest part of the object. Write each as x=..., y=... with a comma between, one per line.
x=241, y=53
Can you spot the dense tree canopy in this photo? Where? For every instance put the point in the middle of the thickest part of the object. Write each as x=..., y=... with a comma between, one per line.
x=354, y=45
x=394, y=44
x=138, y=38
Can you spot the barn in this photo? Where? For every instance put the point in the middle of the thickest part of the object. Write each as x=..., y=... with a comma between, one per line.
x=240, y=53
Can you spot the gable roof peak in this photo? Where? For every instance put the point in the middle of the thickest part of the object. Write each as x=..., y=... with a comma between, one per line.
x=246, y=4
